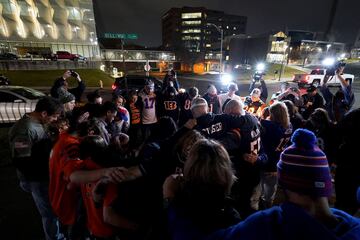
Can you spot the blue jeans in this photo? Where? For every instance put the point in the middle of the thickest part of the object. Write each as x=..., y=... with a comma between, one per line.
x=40, y=194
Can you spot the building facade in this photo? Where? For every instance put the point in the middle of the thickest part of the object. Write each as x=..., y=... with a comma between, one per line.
x=313, y=51
x=270, y=47
x=135, y=60
x=194, y=32
x=48, y=26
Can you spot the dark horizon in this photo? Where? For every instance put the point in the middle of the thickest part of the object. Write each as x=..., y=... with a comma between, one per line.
x=131, y=16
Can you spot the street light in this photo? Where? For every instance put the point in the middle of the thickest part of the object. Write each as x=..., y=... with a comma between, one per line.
x=282, y=62
x=221, y=31
x=327, y=47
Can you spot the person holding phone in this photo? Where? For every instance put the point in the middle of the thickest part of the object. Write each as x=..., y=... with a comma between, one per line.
x=61, y=86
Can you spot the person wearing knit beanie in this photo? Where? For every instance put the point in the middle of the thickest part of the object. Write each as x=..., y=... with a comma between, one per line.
x=303, y=168
x=304, y=174
x=68, y=100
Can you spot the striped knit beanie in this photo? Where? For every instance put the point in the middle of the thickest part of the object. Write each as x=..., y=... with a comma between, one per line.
x=303, y=167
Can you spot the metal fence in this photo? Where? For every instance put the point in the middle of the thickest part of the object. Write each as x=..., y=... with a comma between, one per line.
x=47, y=65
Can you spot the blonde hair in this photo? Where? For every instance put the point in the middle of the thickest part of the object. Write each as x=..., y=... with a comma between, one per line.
x=186, y=142
x=209, y=164
x=232, y=104
x=279, y=114
x=199, y=106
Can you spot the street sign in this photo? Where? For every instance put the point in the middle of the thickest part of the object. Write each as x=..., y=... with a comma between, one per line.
x=132, y=36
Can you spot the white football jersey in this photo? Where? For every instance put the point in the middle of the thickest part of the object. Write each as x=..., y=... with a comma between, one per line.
x=149, y=108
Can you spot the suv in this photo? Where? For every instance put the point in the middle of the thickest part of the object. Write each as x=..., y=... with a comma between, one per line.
x=66, y=55
x=8, y=56
x=136, y=82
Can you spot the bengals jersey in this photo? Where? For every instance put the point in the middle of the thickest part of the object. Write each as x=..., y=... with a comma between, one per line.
x=184, y=105
x=254, y=107
x=213, y=103
x=171, y=108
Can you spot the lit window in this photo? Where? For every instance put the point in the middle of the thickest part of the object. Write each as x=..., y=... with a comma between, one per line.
x=195, y=22
x=191, y=15
x=227, y=27
x=208, y=45
x=234, y=28
x=191, y=31
x=227, y=58
x=187, y=37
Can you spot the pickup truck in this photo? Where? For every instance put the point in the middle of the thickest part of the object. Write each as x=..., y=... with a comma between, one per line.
x=316, y=77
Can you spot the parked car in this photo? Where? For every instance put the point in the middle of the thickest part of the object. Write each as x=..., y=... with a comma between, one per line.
x=66, y=55
x=8, y=56
x=49, y=56
x=134, y=82
x=81, y=58
x=4, y=80
x=15, y=101
x=316, y=78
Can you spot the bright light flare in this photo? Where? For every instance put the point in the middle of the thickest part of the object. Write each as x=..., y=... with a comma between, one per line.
x=260, y=67
x=226, y=79
x=328, y=61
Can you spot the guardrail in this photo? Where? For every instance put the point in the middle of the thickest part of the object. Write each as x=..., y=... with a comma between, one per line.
x=47, y=65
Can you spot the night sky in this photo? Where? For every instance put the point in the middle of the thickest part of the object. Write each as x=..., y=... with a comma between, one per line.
x=144, y=16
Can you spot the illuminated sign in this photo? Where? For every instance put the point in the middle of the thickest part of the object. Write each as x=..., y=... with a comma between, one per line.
x=132, y=36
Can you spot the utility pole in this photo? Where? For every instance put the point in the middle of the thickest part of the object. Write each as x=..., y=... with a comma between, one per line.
x=221, y=49
x=282, y=63
x=331, y=19
x=221, y=31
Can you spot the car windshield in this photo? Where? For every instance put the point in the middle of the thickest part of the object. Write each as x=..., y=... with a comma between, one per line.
x=28, y=93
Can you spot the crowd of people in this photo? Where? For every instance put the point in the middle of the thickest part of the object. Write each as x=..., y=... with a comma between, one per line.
x=169, y=164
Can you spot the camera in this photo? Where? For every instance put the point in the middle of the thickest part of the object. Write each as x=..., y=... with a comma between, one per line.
x=74, y=74
x=331, y=71
x=257, y=76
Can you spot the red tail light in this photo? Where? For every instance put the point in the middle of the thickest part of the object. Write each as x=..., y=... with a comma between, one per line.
x=113, y=87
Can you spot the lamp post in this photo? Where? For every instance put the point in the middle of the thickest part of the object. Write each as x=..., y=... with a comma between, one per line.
x=282, y=63
x=221, y=31
x=327, y=48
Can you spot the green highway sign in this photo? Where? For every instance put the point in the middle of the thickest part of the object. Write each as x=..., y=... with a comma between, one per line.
x=132, y=36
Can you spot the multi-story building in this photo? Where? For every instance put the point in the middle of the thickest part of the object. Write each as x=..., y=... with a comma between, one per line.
x=48, y=25
x=270, y=47
x=190, y=31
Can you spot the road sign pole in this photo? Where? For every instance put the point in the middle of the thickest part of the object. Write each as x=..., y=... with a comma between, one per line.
x=147, y=68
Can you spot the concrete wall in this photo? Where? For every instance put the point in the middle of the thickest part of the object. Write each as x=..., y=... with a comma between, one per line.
x=48, y=65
